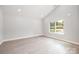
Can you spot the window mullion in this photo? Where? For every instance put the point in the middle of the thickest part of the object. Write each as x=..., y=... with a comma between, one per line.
x=55, y=26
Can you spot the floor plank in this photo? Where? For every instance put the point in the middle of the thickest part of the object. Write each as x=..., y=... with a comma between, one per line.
x=38, y=45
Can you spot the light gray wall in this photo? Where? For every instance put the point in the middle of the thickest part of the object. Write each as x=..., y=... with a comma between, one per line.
x=56, y=14
x=1, y=25
x=26, y=24
x=16, y=25
x=70, y=14
x=72, y=24
x=20, y=27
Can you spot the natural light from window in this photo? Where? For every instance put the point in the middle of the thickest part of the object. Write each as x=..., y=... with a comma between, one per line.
x=57, y=27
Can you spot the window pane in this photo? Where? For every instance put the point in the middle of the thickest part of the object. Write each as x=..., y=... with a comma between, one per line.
x=52, y=24
x=57, y=26
x=52, y=27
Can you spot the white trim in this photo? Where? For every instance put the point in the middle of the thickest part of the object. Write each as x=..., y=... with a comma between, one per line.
x=1, y=41
x=17, y=38
x=72, y=42
x=60, y=33
x=68, y=41
x=57, y=33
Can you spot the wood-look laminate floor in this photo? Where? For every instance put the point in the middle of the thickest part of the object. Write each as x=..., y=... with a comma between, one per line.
x=38, y=45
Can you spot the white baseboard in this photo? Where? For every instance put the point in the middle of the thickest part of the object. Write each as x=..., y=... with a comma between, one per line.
x=1, y=38
x=68, y=41
x=1, y=41
x=72, y=42
x=17, y=38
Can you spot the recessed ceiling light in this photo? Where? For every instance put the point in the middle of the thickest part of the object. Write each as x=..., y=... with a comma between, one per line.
x=19, y=10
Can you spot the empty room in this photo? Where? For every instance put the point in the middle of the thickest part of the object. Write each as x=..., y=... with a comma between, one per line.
x=39, y=29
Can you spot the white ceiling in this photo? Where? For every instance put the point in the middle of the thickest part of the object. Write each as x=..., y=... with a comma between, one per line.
x=30, y=11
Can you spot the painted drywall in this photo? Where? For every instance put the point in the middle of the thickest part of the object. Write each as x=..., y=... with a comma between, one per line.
x=25, y=22
x=1, y=25
x=72, y=24
x=70, y=15
x=20, y=25
x=54, y=16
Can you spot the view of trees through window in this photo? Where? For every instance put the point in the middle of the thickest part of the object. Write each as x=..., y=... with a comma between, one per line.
x=57, y=26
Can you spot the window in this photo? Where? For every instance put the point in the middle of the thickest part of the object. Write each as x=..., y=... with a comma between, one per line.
x=57, y=26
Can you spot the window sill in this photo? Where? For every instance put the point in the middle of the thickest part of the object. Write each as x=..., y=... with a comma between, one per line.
x=59, y=33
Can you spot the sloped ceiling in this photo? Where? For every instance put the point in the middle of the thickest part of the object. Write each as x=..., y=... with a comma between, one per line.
x=30, y=11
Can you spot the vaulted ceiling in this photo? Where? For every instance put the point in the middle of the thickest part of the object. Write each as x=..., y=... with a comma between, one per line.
x=29, y=11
